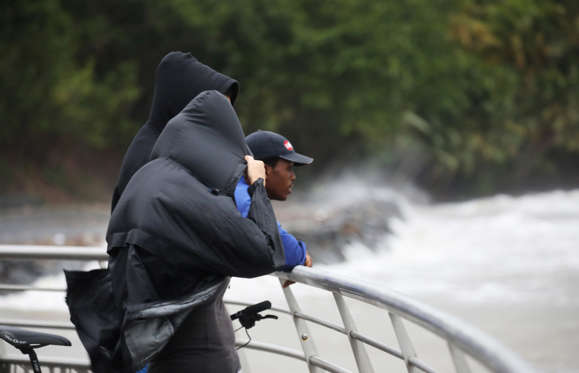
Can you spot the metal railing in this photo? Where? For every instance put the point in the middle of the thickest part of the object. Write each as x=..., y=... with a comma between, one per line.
x=462, y=340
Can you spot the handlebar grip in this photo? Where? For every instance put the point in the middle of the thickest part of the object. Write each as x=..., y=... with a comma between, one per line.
x=254, y=308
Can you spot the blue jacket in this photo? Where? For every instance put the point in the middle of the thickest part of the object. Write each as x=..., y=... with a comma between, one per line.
x=294, y=249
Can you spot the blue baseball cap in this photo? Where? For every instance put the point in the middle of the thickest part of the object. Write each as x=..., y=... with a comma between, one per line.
x=267, y=145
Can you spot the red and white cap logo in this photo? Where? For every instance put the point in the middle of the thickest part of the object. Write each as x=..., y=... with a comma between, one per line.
x=288, y=145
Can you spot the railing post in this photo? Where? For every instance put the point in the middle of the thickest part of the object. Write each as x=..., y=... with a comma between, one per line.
x=358, y=348
x=459, y=360
x=404, y=341
x=243, y=360
x=304, y=334
x=4, y=368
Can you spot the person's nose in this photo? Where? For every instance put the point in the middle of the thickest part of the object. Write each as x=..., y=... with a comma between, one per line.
x=292, y=176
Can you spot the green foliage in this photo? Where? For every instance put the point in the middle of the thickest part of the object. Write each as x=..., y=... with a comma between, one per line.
x=51, y=93
x=481, y=92
x=34, y=34
x=529, y=93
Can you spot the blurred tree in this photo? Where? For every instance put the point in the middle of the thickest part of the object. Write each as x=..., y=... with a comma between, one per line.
x=480, y=93
x=526, y=114
x=53, y=96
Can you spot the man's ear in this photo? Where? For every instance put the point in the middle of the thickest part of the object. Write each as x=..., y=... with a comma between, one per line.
x=268, y=169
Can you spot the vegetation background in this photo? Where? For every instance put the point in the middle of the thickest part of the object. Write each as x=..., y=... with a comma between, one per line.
x=462, y=97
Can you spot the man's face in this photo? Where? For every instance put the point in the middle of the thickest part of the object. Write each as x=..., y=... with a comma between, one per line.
x=280, y=179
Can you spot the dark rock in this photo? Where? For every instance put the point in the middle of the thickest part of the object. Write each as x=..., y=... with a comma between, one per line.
x=24, y=272
x=328, y=231
x=72, y=225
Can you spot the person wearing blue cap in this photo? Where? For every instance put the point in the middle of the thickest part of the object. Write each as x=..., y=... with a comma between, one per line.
x=279, y=157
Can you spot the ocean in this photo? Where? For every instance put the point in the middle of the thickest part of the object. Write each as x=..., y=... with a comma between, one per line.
x=508, y=266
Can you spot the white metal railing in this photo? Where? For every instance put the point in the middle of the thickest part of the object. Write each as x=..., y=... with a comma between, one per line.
x=462, y=340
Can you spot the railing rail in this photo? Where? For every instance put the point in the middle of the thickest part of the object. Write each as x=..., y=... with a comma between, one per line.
x=462, y=339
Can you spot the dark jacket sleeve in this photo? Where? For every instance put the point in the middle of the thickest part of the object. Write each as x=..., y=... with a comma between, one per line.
x=295, y=250
x=246, y=247
x=207, y=233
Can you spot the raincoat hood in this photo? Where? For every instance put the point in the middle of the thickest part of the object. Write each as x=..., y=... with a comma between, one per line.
x=180, y=77
x=207, y=139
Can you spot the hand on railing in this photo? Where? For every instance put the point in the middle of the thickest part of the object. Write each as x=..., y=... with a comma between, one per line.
x=308, y=263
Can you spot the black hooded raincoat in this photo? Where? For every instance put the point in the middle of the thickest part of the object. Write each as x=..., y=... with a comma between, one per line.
x=179, y=78
x=173, y=239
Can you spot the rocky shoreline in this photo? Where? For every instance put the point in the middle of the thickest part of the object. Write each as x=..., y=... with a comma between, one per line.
x=327, y=228
x=77, y=225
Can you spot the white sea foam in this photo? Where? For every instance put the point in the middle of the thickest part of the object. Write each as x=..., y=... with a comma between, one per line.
x=497, y=249
x=42, y=300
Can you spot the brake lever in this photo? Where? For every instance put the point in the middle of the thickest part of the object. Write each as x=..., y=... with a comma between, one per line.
x=260, y=317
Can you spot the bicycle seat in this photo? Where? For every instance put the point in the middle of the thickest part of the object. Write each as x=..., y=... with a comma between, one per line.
x=26, y=339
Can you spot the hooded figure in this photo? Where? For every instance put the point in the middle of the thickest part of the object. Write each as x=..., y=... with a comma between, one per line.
x=174, y=239
x=179, y=78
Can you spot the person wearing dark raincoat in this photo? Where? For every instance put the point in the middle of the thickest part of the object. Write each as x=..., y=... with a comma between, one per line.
x=178, y=79
x=174, y=239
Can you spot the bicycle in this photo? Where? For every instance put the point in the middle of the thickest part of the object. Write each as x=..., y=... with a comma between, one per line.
x=27, y=341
